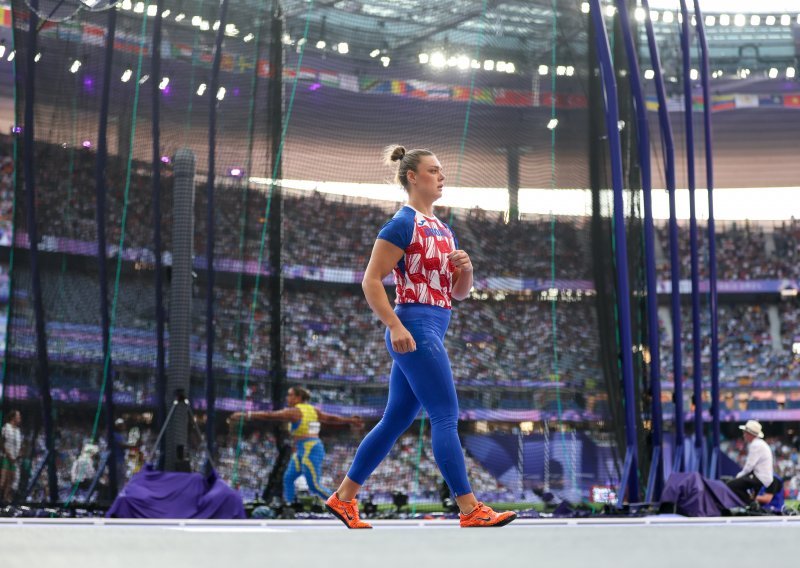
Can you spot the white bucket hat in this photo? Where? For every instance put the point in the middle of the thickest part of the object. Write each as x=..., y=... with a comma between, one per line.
x=753, y=427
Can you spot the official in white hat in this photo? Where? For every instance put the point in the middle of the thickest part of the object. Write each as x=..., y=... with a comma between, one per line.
x=757, y=470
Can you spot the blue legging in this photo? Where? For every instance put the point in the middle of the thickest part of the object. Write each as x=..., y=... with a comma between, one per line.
x=419, y=378
x=306, y=461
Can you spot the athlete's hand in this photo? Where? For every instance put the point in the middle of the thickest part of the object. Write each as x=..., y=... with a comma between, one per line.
x=356, y=423
x=233, y=419
x=402, y=341
x=460, y=260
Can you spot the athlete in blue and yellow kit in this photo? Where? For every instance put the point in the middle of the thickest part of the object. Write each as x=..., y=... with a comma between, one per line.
x=429, y=271
x=305, y=421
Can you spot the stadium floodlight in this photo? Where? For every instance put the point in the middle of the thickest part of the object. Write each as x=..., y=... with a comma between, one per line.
x=654, y=15
x=166, y=13
x=376, y=52
x=248, y=37
x=639, y=14
x=201, y=89
x=127, y=5
x=12, y=55
x=488, y=65
x=74, y=67
x=570, y=70
x=724, y=20
x=385, y=60
x=180, y=17
x=205, y=26
x=710, y=21
x=786, y=20
x=770, y=20
x=423, y=58
x=773, y=73
x=343, y=47
x=790, y=72
x=693, y=74
x=501, y=66
x=438, y=60
x=231, y=30
x=668, y=17
x=2, y=50
x=462, y=62
x=196, y=21
x=126, y=75
x=543, y=70
x=585, y=7
x=755, y=20
x=552, y=124
x=138, y=8
x=561, y=70
x=510, y=67
x=86, y=144
x=215, y=27
x=321, y=44
x=144, y=79
x=164, y=83
x=739, y=20
x=37, y=57
x=475, y=64
x=221, y=93
x=649, y=74
x=152, y=10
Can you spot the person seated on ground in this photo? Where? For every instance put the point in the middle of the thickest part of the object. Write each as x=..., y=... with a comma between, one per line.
x=771, y=497
x=757, y=472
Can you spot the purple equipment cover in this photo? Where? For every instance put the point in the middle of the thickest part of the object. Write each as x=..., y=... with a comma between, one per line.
x=152, y=494
x=696, y=496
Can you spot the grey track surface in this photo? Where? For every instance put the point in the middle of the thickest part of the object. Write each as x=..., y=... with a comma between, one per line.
x=650, y=542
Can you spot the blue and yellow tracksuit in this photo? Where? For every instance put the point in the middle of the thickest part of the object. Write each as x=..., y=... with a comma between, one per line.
x=308, y=455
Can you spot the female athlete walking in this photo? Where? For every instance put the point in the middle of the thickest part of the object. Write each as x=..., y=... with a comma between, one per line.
x=429, y=270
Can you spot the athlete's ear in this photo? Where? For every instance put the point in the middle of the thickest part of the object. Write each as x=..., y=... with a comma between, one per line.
x=411, y=176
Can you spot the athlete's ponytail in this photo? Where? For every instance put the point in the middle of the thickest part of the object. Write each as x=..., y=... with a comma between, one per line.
x=407, y=160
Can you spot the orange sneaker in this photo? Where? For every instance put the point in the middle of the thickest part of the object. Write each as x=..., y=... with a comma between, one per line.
x=483, y=516
x=346, y=511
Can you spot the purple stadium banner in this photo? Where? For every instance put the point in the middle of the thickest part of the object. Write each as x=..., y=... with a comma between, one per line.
x=352, y=276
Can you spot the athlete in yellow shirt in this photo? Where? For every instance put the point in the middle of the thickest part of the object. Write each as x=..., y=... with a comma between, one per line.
x=305, y=421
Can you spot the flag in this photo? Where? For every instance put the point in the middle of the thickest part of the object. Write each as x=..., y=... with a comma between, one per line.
x=307, y=74
x=329, y=79
x=512, y=97
x=5, y=17
x=792, y=101
x=348, y=82
x=460, y=93
x=485, y=96
x=770, y=101
x=399, y=87
x=263, y=68
x=722, y=102
x=746, y=101
x=93, y=35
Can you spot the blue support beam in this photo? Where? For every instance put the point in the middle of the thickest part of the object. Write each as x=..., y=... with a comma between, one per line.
x=630, y=477
x=675, y=299
x=656, y=477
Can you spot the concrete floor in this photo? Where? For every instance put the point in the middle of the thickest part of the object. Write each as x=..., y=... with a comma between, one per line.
x=586, y=543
